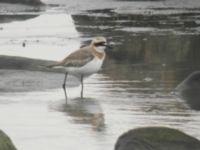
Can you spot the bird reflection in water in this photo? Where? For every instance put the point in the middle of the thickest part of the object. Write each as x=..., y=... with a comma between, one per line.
x=85, y=111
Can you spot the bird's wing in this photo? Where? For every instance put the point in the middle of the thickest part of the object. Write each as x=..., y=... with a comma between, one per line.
x=76, y=59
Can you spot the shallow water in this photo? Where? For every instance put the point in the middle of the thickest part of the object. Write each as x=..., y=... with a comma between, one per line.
x=150, y=56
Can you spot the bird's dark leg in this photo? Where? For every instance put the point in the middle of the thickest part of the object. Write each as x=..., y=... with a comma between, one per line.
x=82, y=86
x=64, y=85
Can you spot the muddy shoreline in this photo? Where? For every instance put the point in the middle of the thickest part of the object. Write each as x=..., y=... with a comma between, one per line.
x=19, y=74
x=22, y=63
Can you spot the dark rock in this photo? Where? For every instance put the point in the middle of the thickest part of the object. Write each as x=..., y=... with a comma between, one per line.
x=156, y=138
x=29, y=2
x=189, y=90
x=5, y=142
x=190, y=24
x=17, y=17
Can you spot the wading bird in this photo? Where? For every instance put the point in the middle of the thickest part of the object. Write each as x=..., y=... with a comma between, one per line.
x=84, y=61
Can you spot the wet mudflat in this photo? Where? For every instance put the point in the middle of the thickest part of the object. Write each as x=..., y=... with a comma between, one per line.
x=152, y=53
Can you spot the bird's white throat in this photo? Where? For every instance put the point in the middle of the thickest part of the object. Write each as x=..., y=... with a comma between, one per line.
x=100, y=48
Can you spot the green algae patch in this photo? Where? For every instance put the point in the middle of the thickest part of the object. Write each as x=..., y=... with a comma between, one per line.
x=5, y=142
x=156, y=138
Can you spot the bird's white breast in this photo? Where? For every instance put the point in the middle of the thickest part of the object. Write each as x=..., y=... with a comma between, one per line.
x=91, y=67
x=100, y=48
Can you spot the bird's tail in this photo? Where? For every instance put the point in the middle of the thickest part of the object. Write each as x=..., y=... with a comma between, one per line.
x=54, y=66
x=48, y=67
x=51, y=66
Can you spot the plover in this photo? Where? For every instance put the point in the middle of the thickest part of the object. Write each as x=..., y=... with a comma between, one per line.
x=84, y=61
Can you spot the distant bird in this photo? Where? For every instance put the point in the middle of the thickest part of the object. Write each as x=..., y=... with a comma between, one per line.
x=189, y=90
x=84, y=61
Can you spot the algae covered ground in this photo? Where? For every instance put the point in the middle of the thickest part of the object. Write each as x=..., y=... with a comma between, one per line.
x=5, y=142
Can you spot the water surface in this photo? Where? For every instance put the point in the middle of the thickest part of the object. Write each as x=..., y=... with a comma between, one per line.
x=151, y=54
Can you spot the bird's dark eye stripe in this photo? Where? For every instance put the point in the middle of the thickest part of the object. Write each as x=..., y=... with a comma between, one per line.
x=100, y=44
